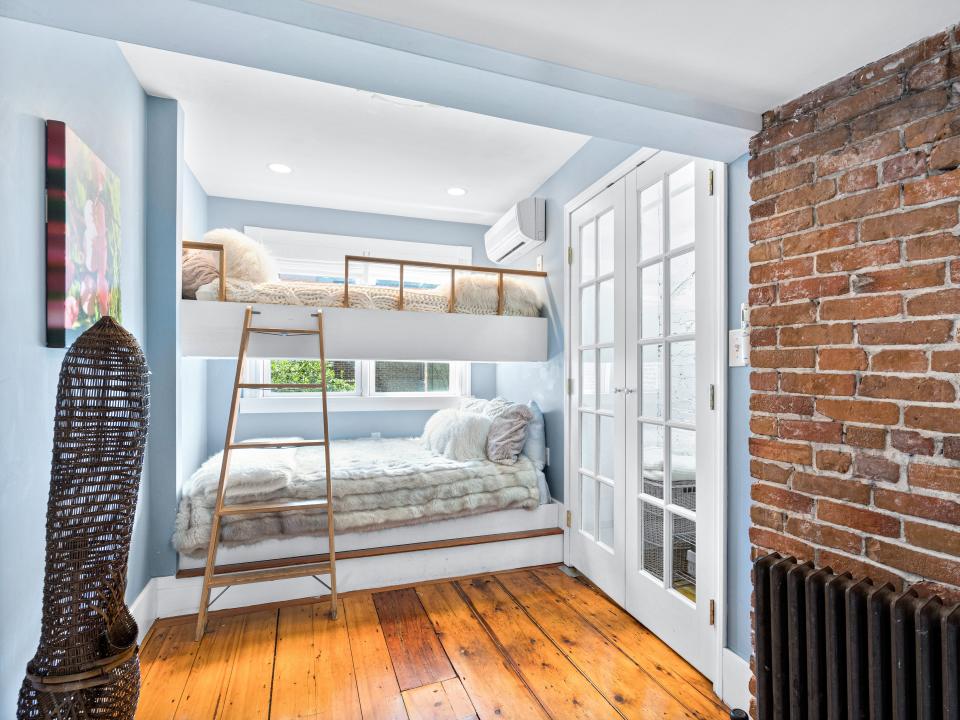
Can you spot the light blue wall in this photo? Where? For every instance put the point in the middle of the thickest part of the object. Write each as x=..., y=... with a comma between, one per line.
x=738, y=419
x=84, y=81
x=543, y=382
x=225, y=212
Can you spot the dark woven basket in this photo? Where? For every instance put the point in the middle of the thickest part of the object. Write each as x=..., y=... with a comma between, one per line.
x=86, y=665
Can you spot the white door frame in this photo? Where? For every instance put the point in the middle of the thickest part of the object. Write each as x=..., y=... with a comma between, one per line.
x=720, y=416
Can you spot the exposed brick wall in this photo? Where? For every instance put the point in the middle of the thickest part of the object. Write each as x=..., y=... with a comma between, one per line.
x=855, y=302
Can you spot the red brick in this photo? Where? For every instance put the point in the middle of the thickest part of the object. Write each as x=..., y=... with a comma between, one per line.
x=817, y=287
x=924, y=506
x=770, y=472
x=951, y=448
x=906, y=110
x=824, y=535
x=761, y=164
x=932, y=188
x=825, y=334
x=862, y=178
x=860, y=205
x=860, y=257
x=928, y=588
x=912, y=561
x=781, y=225
x=820, y=239
x=762, y=252
x=818, y=97
x=933, y=246
x=918, y=332
x=763, y=380
x=834, y=461
x=779, y=497
x=859, y=411
x=818, y=383
x=932, y=129
x=899, y=361
x=865, y=437
x=804, y=358
x=763, y=337
x=766, y=517
x=782, y=404
x=946, y=361
x=861, y=103
x=912, y=222
x=781, y=451
x=785, y=131
x=822, y=432
x=793, y=314
x=868, y=521
x=763, y=425
x=781, y=270
x=804, y=196
x=932, y=537
x=829, y=486
x=904, y=166
x=906, y=388
x=910, y=442
x=935, y=303
x=875, y=467
x=842, y=359
x=862, y=308
x=945, y=478
x=955, y=271
x=858, y=569
x=811, y=146
x=928, y=74
x=897, y=62
x=781, y=181
x=945, y=154
x=945, y=420
x=783, y=544
x=871, y=150
x=762, y=295
x=904, y=278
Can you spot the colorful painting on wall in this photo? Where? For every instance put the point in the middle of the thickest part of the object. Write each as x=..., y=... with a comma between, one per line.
x=83, y=237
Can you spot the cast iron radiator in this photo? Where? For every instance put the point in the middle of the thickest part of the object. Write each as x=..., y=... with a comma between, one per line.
x=829, y=647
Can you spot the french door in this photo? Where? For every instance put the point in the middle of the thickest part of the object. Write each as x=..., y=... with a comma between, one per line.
x=644, y=361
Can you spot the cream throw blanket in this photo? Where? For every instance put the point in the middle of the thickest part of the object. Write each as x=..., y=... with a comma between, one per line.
x=377, y=484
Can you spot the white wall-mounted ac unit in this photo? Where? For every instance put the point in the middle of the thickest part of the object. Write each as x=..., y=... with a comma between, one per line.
x=517, y=233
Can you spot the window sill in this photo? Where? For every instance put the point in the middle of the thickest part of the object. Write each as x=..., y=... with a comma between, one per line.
x=347, y=404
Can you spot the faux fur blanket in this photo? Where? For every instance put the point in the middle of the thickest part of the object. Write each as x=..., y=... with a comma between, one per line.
x=377, y=484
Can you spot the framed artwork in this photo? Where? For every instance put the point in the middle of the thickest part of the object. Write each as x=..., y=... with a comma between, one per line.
x=83, y=237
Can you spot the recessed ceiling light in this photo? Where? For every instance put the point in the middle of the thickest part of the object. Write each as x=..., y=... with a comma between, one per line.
x=280, y=168
x=457, y=191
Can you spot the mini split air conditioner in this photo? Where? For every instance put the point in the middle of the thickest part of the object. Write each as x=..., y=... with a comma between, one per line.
x=517, y=233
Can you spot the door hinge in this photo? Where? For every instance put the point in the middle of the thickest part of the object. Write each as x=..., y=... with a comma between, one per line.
x=713, y=612
x=569, y=519
x=709, y=182
x=713, y=397
x=569, y=255
x=569, y=386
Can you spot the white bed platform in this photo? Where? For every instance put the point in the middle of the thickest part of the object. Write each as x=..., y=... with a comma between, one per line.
x=490, y=542
x=212, y=330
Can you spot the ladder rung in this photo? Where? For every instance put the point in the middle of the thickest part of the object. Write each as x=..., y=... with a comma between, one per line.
x=252, y=576
x=279, y=444
x=284, y=331
x=280, y=386
x=274, y=506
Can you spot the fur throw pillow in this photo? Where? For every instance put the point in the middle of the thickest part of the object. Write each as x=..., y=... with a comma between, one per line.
x=197, y=268
x=246, y=258
x=457, y=435
x=508, y=433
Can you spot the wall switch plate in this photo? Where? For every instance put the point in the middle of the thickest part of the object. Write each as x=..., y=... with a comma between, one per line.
x=738, y=347
x=540, y=263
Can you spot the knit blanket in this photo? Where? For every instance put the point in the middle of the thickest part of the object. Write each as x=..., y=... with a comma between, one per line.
x=377, y=484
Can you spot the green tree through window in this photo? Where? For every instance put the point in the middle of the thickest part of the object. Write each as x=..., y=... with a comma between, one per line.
x=341, y=374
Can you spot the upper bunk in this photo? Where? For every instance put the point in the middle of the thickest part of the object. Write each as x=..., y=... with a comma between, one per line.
x=481, y=314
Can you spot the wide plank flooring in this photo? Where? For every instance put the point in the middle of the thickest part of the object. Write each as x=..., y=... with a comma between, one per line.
x=526, y=644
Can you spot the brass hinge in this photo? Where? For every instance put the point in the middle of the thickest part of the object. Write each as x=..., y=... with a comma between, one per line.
x=569, y=519
x=713, y=397
x=569, y=386
x=713, y=612
x=569, y=255
x=709, y=182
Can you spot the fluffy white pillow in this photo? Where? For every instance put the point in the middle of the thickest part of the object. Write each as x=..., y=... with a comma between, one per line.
x=457, y=435
x=246, y=258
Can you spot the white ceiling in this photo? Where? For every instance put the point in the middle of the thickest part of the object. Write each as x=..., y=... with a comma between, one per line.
x=349, y=150
x=748, y=54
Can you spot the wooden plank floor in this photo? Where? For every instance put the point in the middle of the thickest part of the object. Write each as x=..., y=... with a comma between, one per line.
x=526, y=644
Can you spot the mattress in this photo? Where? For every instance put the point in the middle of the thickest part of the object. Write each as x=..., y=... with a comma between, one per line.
x=476, y=294
x=377, y=484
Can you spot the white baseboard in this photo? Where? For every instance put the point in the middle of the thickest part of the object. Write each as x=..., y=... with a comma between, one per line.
x=736, y=680
x=169, y=596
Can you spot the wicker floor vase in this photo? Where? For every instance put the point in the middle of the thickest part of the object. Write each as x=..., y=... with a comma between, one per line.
x=86, y=665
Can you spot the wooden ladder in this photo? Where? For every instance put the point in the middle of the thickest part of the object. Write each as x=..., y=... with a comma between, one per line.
x=214, y=579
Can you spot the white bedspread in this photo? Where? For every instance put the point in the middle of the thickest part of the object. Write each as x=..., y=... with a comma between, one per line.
x=376, y=484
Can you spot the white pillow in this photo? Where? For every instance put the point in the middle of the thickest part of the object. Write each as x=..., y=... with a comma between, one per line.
x=457, y=435
x=246, y=258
